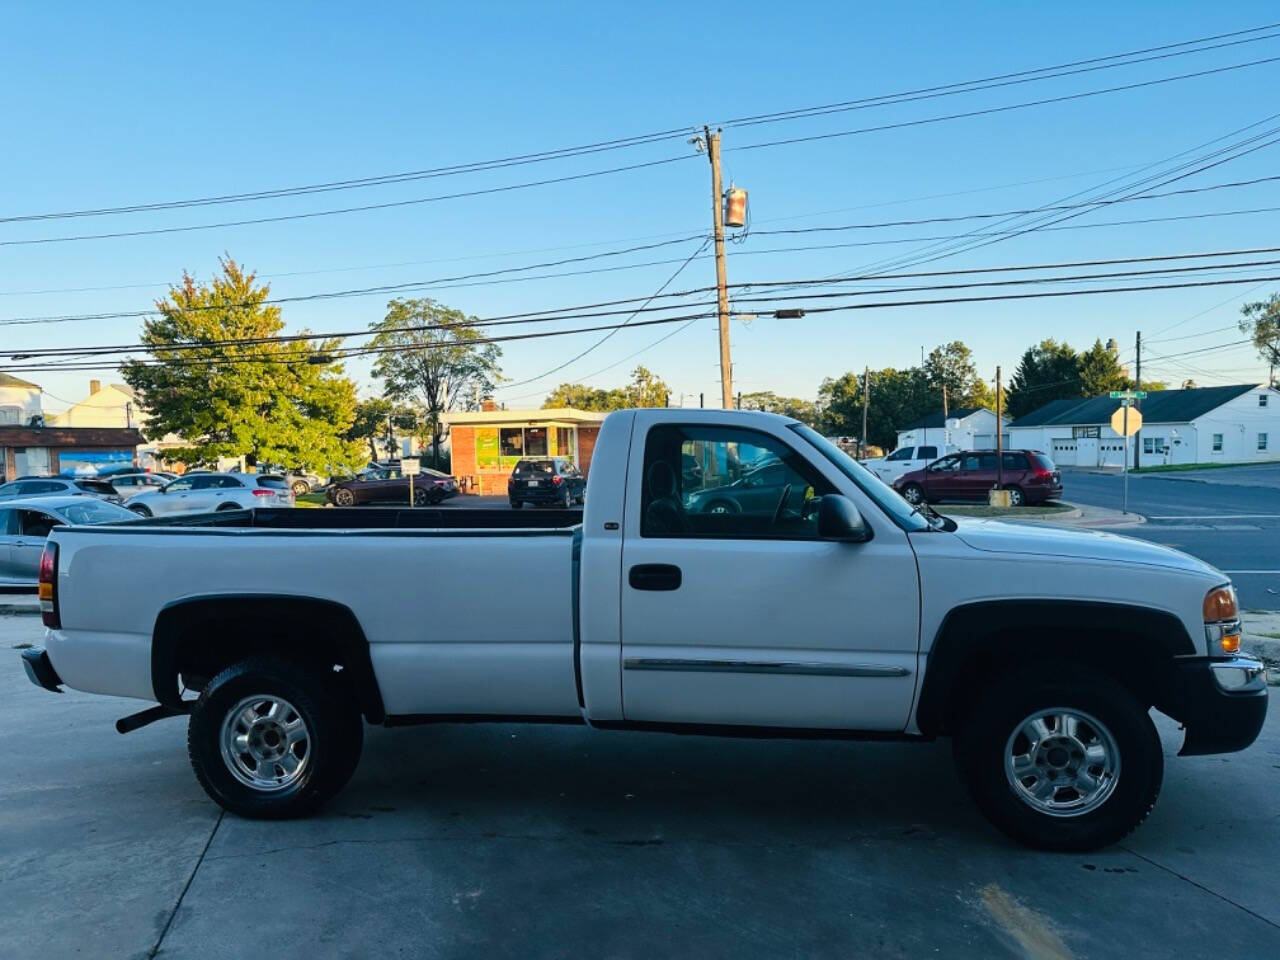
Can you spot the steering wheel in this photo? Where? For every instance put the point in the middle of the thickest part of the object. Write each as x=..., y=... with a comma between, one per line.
x=782, y=503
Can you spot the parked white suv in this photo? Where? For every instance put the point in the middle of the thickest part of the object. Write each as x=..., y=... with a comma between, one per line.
x=905, y=459
x=210, y=492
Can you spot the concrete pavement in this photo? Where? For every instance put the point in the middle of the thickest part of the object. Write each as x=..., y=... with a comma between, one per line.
x=504, y=841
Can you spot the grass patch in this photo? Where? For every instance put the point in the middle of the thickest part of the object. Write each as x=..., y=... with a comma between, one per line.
x=1270, y=636
x=310, y=500
x=983, y=510
x=1180, y=467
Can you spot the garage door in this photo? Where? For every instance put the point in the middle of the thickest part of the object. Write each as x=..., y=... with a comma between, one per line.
x=1063, y=452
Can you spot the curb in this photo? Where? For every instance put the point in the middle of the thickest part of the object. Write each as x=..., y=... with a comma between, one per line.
x=19, y=609
x=1266, y=650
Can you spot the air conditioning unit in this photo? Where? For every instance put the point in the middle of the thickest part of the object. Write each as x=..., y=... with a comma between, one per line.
x=37, y=420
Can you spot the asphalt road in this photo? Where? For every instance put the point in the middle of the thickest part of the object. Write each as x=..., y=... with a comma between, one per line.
x=504, y=841
x=1233, y=525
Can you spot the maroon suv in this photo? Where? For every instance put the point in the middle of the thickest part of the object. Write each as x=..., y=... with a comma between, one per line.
x=1029, y=476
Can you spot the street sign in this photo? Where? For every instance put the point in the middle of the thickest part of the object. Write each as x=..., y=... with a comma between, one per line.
x=1128, y=429
x=1128, y=394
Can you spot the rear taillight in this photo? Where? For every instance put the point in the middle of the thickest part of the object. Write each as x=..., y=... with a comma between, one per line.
x=48, y=586
x=557, y=480
x=1043, y=474
x=264, y=493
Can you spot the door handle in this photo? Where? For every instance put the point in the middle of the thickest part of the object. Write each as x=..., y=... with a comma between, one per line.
x=655, y=576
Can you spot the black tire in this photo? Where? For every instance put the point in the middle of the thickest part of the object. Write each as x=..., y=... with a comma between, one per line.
x=332, y=750
x=515, y=504
x=566, y=498
x=913, y=493
x=343, y=497
x=141, y=511
x=223, y=508
x=1000, y=710
x=722, y=506
x=300, y=488
x=1016, y=497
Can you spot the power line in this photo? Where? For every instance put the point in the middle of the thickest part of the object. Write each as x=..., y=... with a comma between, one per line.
x=670, y=280
x=838, y=134
x=1129, y=58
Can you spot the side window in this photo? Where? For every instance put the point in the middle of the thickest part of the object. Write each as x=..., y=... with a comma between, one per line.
x=180, y=486
x=228, y=483
x=902, y=453
x=945, y=465
x=33, y=523
x=8, y=522
x=988, y=461
x=29, y=487
x=1015, y=461
x=927, y=453
x=971, y=461
x=777, y=497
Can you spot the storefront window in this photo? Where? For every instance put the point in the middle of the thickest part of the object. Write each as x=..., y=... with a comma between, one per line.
x=535, y=441
x=511, y=440
x=565, y=445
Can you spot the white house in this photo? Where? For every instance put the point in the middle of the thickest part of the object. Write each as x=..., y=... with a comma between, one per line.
x=965, y=428
x=114, y=405
x=1232, y=424
x=19, y=401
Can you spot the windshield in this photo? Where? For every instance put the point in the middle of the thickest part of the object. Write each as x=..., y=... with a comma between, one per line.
x=95, y=511
x=886, y=499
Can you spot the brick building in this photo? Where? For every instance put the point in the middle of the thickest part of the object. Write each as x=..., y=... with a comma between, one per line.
x=48, y=451
x=485, y=445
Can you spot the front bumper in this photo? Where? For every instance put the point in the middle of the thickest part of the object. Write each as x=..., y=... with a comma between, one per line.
x=1223, y=704
x=40, y=670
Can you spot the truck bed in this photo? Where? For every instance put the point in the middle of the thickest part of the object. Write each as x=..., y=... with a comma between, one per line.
x=372, y=518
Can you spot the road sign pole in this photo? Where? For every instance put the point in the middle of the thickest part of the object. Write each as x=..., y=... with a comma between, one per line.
x=1125, y=510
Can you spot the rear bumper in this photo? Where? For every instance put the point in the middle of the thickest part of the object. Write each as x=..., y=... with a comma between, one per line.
x=1041, y=494
x=40, y=671
x=1223, y=704
x=540, y=495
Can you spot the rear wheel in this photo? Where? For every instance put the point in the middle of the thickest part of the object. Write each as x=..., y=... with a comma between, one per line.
x=270, y=738
x=1061, y=758
x=1016, y=497
x=566, y=498
x=721, y=506
x=516, y=504
x=913, y=493
x=140, y=510
x=300, y=488
x=223, y=508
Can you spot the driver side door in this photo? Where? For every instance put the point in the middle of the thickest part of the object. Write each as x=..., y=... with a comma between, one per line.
x=735, y=618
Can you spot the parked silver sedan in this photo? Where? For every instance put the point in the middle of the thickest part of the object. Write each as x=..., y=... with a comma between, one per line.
x=24, y=524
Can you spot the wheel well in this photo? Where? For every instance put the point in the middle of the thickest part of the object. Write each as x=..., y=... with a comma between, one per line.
x=195, y=639
x=982, y=642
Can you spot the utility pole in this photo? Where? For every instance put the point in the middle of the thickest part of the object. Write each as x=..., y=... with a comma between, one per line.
x=722, y=282
x=944, y=404
x=999, y=436
x=866, y=399
x=1137, y=385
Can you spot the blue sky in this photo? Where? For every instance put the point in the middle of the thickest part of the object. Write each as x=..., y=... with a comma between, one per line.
x=140, y=103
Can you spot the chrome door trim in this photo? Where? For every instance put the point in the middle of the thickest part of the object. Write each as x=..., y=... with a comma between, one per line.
x=762, y=666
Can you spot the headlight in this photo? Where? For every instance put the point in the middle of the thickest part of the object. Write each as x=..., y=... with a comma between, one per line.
x=1222, y=621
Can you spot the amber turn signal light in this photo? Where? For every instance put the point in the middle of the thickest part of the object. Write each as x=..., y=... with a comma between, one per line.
x=1220, y=605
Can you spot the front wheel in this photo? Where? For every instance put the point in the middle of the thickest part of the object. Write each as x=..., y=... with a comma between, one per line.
x=913, y=493
x=140, y=510
x=344, y=498
x=1061, y=758
x=271, y=739
x=300, y=488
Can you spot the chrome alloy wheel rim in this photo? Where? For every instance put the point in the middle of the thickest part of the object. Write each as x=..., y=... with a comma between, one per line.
x=1062, y=762
x=265, y=743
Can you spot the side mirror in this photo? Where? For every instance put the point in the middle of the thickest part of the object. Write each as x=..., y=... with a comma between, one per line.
x=839, y=519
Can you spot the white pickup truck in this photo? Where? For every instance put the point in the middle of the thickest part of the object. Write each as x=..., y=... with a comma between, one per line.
x=822, y=605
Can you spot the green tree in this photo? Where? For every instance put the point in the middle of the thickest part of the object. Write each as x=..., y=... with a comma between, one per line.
x=370, y=423
x=1262, y=324
x=897, y=398
x=646, y=389
x=770, y=402
x=950, y=366
x=1048, y=371
x=267, y=401
x=435, y=359
x=1100, y=370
